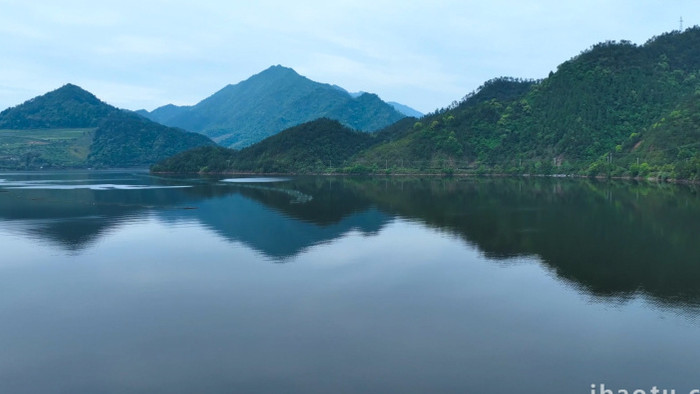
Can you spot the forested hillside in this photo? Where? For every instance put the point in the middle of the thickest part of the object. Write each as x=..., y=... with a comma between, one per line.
x=601, y=113
x=310, y=147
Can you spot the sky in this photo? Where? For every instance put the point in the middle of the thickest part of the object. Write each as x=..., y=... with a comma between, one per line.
x=425, y=54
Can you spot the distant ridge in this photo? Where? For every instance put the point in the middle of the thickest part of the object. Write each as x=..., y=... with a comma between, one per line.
x=405, y=109
x=271, y=101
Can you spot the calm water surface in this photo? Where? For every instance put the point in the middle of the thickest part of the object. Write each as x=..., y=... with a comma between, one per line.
x=119, y=282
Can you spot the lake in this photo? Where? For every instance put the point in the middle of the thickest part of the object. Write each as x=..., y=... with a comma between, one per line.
x=122, y=282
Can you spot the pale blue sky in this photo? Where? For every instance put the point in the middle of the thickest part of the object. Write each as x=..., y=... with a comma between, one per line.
x=425, y=54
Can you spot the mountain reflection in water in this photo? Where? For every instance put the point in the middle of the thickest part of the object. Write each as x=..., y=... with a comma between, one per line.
x=611, y=239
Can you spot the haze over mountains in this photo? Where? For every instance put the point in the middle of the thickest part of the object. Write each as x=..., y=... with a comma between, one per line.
x=273, y=100
x=405, y=109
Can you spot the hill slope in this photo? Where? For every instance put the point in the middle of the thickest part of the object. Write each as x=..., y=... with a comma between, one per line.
x=271, y=101
x=70, y=127
x=597, y=115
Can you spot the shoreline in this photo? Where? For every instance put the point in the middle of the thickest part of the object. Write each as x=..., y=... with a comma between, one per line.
x=461, y=175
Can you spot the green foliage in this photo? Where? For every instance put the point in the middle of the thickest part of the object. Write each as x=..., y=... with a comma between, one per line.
x=198, y=160
x=671, y=147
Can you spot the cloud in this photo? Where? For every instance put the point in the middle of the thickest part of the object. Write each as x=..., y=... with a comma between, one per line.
x=421, y=53
x=20, y=31
x=131, y=45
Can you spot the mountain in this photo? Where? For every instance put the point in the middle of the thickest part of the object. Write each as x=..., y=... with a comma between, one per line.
x=70, y=127
x=616, y=109
x=271, y=101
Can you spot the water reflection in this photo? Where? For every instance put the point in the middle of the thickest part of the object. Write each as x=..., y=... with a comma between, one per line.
x=613, y=239
x=73, y=210
x=610, y=239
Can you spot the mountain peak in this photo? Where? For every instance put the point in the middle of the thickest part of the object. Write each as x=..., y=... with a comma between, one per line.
x=70, y=86
x=278, y=71
x=65, y=107
x=269, y=76
x=275, y=99
x=75, y=92
x=279, y=67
